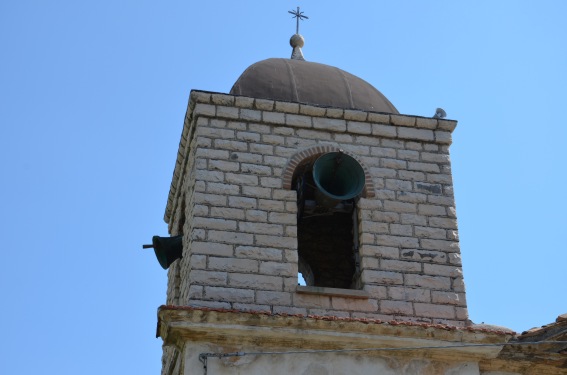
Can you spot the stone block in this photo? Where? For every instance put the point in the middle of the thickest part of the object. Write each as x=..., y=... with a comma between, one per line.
x=402, y=120
x=397, y=241
x=424, y=255
x=203, y=277
x=352, y=304
x=256, y=191
x=355, y=115
x=250, y=115
x=443, y=137
x=196, y=291
x=439, y=178
x=434, y=311
x=405, y=196
x=426, y=123
x=310, y=110
x=369, y=263
x=400, y=207
x=383, y=152
x=248, y=136
x=241, y=179
x=311, y=301
x=448, y=298
x=271, y=205
x=213, y=223
x=399, y=265
x=334, y=113
x=298, y=120
x=428, y=232
x=386, y=217
x=214, y=132
x=211, y=248
x=242, y=202
x=261, y=228
x=200, y=97
x=378, y=117
x=409, y=294
x=287, y=107
x=271, y=182
x=220, y=188
x=256, y=215
x=428, y=188
x=416, y=134
x=356, y=127
x=260, y=253
x=427, y=281
x=232, y=237
x=396, y=307
x=401, y=230
x=264, y=104
x=379, y=251
x=233, y=264
x=447, y=125
x=329, y=124
x=261, y=170
x=276, y=241
x=244, y=102
x=431, y=210
x=367, y=226
x=440, y=245
x=221, y=99
x=381, y=130
x=435, y=158
x=222, y=165
x=228, y=112
x=255, y=281
x=252, y=307
x=376, y=291
x=424, y=167
x=204, y=110
x=198, y=261
x=229, y=294
x=273, y=117
x=395, y=184
x=273, y=298
x=278, y=268
x=382, y=277
x=442, y=270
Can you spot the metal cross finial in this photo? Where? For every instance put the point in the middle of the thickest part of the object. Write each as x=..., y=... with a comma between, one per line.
x=298, y=16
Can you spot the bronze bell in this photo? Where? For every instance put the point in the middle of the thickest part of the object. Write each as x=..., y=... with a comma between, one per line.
x=167, y=249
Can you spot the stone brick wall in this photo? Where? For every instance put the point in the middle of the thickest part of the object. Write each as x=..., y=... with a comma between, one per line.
x=231, y=194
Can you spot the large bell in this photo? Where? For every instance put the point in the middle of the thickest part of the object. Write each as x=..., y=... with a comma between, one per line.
x=338, y=177
x=167, y=249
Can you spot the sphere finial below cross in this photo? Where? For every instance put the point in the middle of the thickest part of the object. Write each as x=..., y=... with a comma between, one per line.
x=297, y=41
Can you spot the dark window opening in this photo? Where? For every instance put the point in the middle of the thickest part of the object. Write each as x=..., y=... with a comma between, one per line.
x=327, y=231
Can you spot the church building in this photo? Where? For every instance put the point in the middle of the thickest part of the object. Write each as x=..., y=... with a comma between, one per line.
x=306, y=174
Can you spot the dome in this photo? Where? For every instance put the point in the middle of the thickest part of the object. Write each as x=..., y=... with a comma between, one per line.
x=311, y=83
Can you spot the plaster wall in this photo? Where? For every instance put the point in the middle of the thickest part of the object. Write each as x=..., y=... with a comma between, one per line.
x=320, y=364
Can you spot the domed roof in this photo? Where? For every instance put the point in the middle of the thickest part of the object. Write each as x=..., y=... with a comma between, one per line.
x=311, y=83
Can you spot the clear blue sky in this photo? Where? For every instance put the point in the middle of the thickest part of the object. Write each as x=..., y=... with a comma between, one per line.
x=92, y=100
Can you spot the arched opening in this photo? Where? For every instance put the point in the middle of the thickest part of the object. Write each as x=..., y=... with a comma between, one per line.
x=328, y=186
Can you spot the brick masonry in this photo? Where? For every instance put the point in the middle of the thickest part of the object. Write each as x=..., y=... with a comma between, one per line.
x=231, y=198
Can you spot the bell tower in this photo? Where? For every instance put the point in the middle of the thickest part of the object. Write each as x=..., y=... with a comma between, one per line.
x=305, y=169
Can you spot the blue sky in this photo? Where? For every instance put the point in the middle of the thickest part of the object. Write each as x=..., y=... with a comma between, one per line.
x=92, y=100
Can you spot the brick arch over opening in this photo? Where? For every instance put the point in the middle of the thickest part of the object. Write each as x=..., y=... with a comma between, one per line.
x=311, y=152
